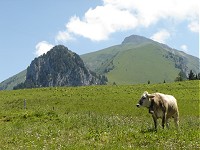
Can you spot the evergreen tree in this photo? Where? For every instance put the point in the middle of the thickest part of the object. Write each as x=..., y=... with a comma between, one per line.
x=198, y=76
x=191, y=75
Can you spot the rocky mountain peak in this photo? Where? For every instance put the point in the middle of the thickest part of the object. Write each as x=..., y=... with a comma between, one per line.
x=60, y=67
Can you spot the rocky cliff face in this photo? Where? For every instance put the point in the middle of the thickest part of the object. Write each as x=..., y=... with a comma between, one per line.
x=60, y=67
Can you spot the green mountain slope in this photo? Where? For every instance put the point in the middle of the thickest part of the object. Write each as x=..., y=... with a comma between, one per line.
x=139, y=60
x=132, y=66
x=9, y=83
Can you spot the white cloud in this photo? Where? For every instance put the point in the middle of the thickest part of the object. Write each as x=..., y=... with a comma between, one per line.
x=63, y=36
x=121, y=15
x=184, y=48
x=42, y=48
x=100, y=22
x=194, y=26
x=161, y=36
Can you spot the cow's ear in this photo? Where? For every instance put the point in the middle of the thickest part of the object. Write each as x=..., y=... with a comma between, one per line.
x=145, y=93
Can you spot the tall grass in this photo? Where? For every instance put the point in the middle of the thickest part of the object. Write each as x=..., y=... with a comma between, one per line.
x=95, y=117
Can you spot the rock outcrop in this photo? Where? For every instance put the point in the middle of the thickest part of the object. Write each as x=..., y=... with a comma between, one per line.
x=60, y=67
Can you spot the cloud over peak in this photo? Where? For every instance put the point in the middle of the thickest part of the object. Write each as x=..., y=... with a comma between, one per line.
x=100, y=22
x=161, y=36
x=42, y=48
x=121, y=15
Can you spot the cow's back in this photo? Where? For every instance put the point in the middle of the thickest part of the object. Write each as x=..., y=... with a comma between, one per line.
x=171, y=104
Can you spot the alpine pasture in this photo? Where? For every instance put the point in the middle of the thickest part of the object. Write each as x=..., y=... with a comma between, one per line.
x=96, y=117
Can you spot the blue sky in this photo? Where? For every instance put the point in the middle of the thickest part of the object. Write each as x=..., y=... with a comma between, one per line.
x=29, y=28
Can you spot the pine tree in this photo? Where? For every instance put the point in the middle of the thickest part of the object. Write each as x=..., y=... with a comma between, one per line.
x=198, y=76
x=191, y=75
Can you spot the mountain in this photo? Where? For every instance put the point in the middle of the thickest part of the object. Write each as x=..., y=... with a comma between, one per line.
x=136, y=60
x=136, y=39
x=9, y=83
x=140, y=60
x=59, y=67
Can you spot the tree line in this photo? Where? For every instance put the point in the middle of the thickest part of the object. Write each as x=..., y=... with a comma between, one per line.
x=191, y=76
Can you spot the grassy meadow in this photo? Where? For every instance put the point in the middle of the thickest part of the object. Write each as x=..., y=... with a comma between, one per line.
x=96, y=117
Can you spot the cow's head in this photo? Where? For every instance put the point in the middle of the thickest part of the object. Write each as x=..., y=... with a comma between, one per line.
x=145, y=100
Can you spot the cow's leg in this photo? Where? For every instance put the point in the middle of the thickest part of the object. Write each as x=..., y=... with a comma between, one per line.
x=164, y=119
x=176, y=121
x=167, y=123
x=155, y=122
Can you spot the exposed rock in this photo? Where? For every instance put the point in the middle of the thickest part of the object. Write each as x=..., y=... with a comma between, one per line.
x=60, y=67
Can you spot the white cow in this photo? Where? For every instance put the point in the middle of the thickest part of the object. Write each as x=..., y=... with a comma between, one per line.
x=160, y=106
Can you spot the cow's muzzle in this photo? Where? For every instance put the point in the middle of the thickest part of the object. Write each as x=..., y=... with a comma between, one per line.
x=138, y=105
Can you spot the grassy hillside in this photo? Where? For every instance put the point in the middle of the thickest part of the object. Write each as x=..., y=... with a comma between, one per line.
x=132, y=64
x=13, y=81
x=139, y=60
x=142, y=64
x=100, y=60
x=95, y=117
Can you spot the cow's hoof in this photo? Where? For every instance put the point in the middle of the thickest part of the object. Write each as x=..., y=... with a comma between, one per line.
x=151, y=112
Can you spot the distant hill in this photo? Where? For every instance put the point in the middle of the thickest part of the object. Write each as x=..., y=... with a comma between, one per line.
x=139, y=60
x=59, y=67
x=9, y=83
x=136, y=60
